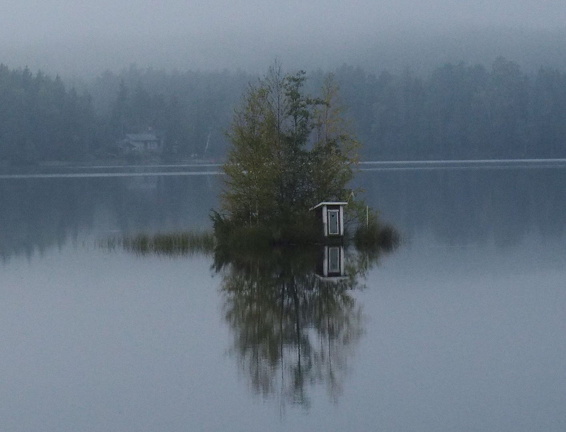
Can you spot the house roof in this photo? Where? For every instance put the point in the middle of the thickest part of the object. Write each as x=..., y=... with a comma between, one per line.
x=327, y=203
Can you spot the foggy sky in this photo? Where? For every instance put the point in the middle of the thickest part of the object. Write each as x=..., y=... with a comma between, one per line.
x=79, y=34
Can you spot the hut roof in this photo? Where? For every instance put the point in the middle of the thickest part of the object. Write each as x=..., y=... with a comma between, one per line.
x=327, y=203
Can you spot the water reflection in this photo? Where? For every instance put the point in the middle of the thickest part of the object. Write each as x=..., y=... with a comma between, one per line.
x=291, y=310
x=466, y=206
x=295, y=324
x=40, y=214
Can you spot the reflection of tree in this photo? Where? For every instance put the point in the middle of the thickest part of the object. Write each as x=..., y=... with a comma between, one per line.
x=472, y=206
x=38, y=214
x=292, y=330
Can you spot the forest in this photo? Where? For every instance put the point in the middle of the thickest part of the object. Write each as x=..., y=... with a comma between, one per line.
x=457, y=111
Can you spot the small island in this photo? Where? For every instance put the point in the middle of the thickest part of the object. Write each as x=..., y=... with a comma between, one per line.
x=289, y=169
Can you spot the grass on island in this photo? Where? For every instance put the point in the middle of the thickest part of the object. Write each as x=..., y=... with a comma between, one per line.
x=172, y=244
x=371, y=238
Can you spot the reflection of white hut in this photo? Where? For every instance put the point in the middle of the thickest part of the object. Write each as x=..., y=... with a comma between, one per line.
x=331, y=264
x=331, y=216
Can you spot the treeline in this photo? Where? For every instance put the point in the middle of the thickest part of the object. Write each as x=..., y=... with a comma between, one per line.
x=43, y=120
x=40, y=119
x=458, y=111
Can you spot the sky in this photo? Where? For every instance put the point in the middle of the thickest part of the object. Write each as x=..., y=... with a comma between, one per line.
x=230, y=33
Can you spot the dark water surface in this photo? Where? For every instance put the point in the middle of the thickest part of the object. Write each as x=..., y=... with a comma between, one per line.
x=462, y=328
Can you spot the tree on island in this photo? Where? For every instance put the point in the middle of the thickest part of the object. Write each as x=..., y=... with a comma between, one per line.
x=289, y=152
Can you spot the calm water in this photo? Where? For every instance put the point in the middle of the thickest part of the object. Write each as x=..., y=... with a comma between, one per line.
x=462, y=328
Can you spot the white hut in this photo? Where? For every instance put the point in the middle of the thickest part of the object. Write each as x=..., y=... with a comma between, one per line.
x=331, y=215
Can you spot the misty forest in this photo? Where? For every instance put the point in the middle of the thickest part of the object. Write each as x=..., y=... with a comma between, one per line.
x=456, y=111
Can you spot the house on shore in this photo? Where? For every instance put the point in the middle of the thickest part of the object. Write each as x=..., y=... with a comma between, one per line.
x=147, y=143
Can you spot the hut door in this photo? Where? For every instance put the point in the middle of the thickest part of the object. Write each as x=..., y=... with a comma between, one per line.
x=333, y=222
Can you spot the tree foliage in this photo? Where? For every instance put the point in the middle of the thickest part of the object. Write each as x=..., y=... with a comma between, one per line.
x=289, y=152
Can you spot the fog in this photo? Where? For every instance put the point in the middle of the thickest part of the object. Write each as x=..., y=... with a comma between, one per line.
x=79, y=37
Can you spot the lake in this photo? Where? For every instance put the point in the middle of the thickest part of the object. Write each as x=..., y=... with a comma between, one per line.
x=462, y=327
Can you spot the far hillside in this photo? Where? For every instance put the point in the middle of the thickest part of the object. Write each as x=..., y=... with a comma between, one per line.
x=455, y=111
